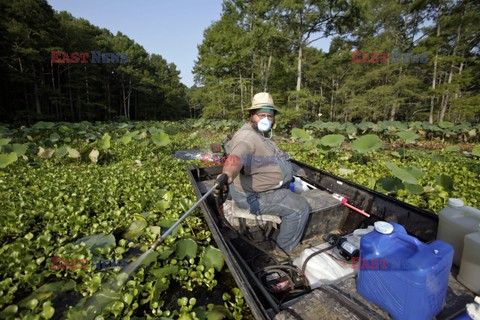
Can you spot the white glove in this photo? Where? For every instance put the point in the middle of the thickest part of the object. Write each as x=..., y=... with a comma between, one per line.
x=473, y=309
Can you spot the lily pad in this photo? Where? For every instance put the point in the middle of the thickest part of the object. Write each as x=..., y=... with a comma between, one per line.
x=452, y=149
x=186, y=247
x=367, y=143
x=445, y=181
x=389, y=185
x=161, y=139
x=150, y=258
x=4, y=141
x=402, y=174
x=408, y=136
x=19, y=149
x=332, y=140
x=414, y=188
x=300, y=134
x=7, y=159
x=54, y=137
x=61, y=152
x=213, y=258
x=476, y=151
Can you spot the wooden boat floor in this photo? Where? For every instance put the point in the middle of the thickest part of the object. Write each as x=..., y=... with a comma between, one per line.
x=335, y=301
x=341, y=301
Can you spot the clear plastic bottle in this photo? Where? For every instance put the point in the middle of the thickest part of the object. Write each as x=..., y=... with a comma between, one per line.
x=456, y=221
x=469, y=274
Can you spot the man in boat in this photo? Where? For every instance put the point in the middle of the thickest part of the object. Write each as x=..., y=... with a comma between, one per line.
x=261, y=174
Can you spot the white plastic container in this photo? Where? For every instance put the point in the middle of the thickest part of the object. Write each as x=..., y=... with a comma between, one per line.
x=469, y=274
x=456, y=221
x=322, y=269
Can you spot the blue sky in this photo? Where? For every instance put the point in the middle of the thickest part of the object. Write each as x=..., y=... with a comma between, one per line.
x=171, y=28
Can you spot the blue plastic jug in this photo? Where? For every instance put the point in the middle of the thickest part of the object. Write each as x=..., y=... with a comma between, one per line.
x=402, y=275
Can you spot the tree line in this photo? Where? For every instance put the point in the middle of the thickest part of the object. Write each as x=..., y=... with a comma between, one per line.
x=57, y=67
x=269, y=45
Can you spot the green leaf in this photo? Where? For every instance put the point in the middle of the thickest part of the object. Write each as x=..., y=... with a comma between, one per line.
x=476, y=151
x=135, y=229
x=98, y=241
x=166, y=253
x=93, y=155
x=104, y=143
x=161, y=139
x=166, y=224
x=45, y=153
x=72, y=153
x=332, y=140
x=414, y=171
x=216, y=312
x=61, y=152
x=452, y=149
x=408, y=136
x=165, y=271
x=43, y=125
x=4, y=141
x=367, y=143
x=19, y=149
x=186, y=204
x=414, y=188
x=445, y=124
x=47, y=310
x=445, y=181
x=300, y=134
x=9, y=311
x=54, y=137
x=47, y=291
x=389, y=185
x=213, y=258
x=117, y=308
x=7, y=159
x=164, y=194
x=150, y=258
x=186, y=247
x=400, y=173
x=125, y=139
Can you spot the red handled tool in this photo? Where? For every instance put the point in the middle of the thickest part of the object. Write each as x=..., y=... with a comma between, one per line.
x=345, y=200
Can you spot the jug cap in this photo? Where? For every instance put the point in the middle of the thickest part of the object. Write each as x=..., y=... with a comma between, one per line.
x=383, y=227
x=454, y=202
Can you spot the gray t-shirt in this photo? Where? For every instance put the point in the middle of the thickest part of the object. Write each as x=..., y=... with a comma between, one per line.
x=264, y=166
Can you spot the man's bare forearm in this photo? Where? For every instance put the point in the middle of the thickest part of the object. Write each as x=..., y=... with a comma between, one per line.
x=232, y=167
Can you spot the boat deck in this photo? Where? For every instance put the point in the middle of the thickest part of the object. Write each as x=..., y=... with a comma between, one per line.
x=341, y=301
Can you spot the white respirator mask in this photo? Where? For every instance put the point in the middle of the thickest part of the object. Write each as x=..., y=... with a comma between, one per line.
x=264, y=125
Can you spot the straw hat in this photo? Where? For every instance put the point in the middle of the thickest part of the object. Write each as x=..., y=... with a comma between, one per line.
x=263, y=100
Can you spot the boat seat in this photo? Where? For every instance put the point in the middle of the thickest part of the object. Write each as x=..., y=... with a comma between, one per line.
x=323, y=208
x=234, y=214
